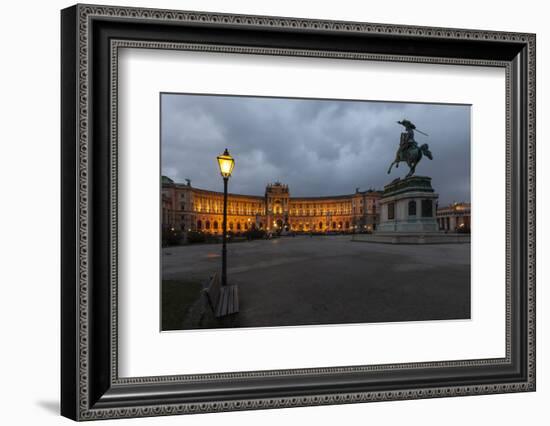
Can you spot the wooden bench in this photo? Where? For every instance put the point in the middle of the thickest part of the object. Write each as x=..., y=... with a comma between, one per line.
x=222, y=300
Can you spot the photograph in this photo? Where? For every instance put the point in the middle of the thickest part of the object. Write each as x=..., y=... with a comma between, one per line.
x=279, y=211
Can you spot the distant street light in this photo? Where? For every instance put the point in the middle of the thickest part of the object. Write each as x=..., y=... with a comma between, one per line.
x=226, y=164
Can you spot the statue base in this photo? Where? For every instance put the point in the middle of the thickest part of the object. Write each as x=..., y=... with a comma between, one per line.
x=408, y=206
x=408, y=215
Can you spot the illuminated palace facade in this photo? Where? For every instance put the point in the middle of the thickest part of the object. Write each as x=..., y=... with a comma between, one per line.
x=187, y=208
x=455, y=217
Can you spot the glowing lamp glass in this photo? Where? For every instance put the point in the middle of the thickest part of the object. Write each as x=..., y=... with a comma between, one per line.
x=226, y=164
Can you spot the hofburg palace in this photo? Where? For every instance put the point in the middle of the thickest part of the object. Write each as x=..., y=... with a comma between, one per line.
x=187, y=208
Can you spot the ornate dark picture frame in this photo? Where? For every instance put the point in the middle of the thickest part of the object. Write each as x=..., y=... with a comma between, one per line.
x=91, y=387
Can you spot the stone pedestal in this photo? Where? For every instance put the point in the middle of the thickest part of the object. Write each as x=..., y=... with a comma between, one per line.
x=408, y=206
x=408, y=215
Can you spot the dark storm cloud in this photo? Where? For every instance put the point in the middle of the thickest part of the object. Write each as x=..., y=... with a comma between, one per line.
x=316, y=147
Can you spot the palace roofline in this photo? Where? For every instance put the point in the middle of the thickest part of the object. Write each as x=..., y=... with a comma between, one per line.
x=456, y=206
x=261, y=197
x=207, y=191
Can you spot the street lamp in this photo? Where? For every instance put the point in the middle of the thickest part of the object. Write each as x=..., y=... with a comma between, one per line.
x=226, y=164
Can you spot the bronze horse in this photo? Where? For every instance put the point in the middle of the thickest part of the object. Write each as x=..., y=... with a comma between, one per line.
x=412, y=156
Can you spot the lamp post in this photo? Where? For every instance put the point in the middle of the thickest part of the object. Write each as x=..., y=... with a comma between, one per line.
x=226, y=164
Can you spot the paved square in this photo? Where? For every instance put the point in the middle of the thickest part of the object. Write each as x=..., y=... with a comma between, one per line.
x=331, y=279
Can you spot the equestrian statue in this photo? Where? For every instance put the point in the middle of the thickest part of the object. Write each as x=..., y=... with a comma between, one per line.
x=408, y=150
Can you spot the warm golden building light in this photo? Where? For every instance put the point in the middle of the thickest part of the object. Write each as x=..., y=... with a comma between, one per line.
x=276, y=210
x=226, y=163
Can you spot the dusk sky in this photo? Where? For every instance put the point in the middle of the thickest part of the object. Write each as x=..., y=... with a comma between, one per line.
x=317, y=147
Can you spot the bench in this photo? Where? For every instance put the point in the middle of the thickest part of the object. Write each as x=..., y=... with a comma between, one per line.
x=222, y=300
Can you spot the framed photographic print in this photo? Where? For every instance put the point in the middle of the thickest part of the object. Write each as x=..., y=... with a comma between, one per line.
x=264, y=212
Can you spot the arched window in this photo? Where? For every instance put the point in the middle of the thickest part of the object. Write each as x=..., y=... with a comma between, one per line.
x=231, y=225
x=391, y=211
x=412, y=208
x=207, y=224
x=199, y=225
x=320, y=225
x=215, y=224
x=333, y=225
x=347, y=225
x=340, y=225
x=238, y=226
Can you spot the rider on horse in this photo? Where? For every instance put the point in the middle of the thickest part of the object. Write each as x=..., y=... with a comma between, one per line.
x=409, y=151
x=407, y=137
